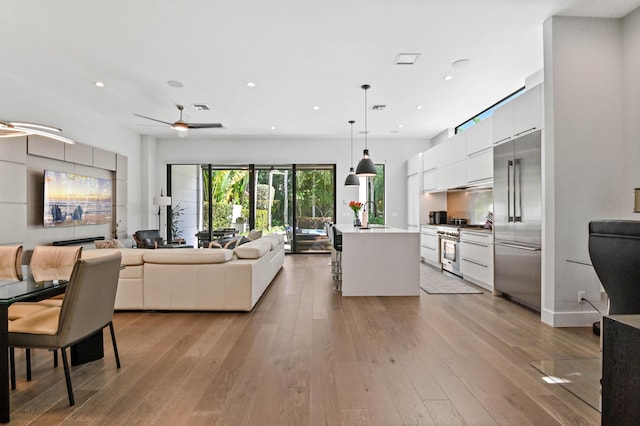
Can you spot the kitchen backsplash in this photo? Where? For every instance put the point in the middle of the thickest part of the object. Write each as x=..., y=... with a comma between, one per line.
x=472, y=205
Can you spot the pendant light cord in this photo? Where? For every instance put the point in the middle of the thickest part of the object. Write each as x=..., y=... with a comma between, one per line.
x=351, y=122
x=366, y=131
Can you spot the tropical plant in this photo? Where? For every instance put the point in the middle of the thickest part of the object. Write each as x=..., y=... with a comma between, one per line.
x=177, y=212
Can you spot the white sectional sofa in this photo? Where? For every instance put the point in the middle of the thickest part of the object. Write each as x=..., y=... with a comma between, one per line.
x=197, y=279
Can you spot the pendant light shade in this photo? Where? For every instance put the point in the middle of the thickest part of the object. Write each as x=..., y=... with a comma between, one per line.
x=352, y=179
x=366, y=166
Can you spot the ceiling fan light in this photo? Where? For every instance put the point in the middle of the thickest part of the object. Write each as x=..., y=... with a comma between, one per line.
x=352, y=179
x=180, y=127
x=366, y=167
x=36, y=126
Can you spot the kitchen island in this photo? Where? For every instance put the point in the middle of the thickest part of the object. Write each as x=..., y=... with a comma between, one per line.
x=380, y=261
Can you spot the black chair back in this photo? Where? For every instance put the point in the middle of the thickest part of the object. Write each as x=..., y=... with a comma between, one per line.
x=614, y=248
x=337, y=239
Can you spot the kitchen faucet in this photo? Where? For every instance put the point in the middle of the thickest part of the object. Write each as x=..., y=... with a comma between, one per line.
x=375, y=213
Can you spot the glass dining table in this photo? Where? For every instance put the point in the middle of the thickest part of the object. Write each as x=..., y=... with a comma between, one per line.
x=35, y=285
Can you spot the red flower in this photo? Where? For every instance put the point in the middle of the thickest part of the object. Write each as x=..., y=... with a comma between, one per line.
x=355, y=206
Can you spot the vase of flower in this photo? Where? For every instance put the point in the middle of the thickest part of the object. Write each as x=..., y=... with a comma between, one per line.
x=356, y=206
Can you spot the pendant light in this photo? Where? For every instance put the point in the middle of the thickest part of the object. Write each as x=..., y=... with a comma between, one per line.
x=366, y=167
x=352, y=179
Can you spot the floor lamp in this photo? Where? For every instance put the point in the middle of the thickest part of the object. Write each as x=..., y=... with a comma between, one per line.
x=161, y=201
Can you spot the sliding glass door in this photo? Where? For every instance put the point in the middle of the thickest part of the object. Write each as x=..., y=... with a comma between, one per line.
x=216, y=200
x=315, y=204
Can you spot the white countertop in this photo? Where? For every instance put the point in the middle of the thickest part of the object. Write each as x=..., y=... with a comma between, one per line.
x=374, y=229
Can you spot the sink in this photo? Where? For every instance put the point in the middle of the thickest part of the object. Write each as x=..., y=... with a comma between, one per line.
x=378, y=226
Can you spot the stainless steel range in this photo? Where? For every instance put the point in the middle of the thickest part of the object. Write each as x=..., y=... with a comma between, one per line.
x=450, y=248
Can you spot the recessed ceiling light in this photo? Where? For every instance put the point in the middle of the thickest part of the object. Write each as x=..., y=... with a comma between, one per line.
x=272, y=128
x=175, y=83
x=460, y=63
x=400, y=126
x=406, y=58
x=418, y=106
x=251, y=84
x=316, y=107
x=447, y=77
x=99, y=84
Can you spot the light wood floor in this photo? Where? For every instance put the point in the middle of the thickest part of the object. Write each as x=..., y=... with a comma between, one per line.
x=307, y=356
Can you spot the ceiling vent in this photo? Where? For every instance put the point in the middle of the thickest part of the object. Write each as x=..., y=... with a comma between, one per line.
x=201, y=107
x=406, y=58
x=378, y=107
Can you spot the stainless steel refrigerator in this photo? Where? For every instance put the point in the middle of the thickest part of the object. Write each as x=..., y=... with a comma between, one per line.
x=517, y=212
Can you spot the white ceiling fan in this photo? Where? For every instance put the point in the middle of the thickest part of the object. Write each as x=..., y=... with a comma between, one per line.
x=182, y=126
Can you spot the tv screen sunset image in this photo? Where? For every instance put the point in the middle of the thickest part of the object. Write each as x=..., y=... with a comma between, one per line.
x=71, y=199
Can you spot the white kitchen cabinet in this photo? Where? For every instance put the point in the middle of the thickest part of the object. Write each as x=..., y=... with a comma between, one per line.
x=520, y=116
x=429, y=180
x=480, y=166
x=479, y=136
x=413, y=200
x=476, y=257
x=414, y=164
x=527, y=111
x=452, y=150
x=502, y=126
x=429, y=245
x=429, y=159
x=452, y=176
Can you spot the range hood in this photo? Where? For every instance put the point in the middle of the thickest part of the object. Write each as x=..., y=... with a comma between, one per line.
x=479, y=184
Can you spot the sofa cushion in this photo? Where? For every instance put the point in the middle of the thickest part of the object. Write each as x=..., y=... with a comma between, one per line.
x=129, y=256
x=274, y=239
x=253, y=249
x=187, y=256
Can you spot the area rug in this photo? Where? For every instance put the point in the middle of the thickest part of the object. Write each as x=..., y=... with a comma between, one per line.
x=435, y=282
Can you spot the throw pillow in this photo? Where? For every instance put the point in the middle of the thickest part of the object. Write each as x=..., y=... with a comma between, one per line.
x=254, y=235
x=102, y=244
x=242, y=241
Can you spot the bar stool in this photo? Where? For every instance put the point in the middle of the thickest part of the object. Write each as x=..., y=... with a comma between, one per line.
x=337, y=268
x=328, y=230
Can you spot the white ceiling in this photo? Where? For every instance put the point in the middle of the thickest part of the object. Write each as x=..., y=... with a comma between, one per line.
x=299, y=53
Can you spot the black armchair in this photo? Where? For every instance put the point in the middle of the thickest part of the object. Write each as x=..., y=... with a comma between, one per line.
x=149, y=238
x=614, y=248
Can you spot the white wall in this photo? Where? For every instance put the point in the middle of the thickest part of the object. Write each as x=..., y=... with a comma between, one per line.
x=583, y=157
x=631, y=111
x=312, y=151
x=82, y=126
x=185, y=188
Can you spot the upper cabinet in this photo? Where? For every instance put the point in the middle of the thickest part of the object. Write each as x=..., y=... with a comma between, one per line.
x=452, y=151
x=520, y=116
x=414, y=164
x=527, y=111
x=479, y=136
x=429, y=158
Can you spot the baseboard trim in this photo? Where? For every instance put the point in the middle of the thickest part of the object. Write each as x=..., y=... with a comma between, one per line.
x=570, y=319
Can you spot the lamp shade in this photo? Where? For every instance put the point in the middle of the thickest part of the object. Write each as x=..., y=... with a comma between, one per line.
x=352, y=179
x=162, y=200
x=366, y=167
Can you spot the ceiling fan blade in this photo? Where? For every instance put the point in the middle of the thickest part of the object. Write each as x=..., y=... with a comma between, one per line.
x=149, y=118
x=204, y=125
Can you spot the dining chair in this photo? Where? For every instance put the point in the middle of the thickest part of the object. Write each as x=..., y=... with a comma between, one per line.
x=10, y=263
x=86, y=309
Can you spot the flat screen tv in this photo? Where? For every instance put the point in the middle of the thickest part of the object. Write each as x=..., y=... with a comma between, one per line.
x=71, y=199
